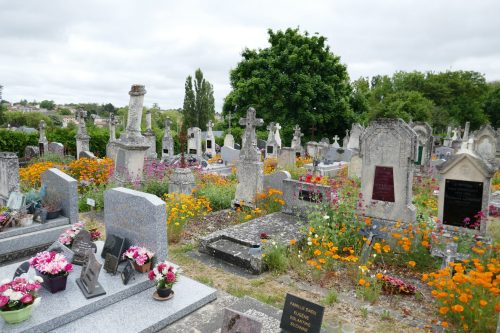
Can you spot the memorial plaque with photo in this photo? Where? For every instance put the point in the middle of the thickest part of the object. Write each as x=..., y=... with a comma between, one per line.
x=22, y=269
x=237, y=322
x=301, y=316
x=81, y=244
x=209, y=143
x=89, y=278
x=111, y=263
x=127, y=273
x=61, y=248
x=270, y=149
x=462, y=199
x=114, y=245
x=383, y=184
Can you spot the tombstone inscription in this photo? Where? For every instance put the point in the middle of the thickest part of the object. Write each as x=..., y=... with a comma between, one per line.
x=127, y=273
x=462, y=199
x=301, y=316
x=81, y=245
x=383, y=184
x=89, y=277
x=111, y=263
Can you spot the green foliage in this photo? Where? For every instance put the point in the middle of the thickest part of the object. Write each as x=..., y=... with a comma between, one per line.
x=28, y=119
x=64, y=112
x=3, y=109
x=51, y=157
x=296, y=80
x=155, y=186
x=16, y=141
x=275, y=258
x=370, y=291
x=331, y=297
x=407, y=105
x=492, y=104
x=199, y=105
x=49, y=105
x=220, y=197
x=96, y=193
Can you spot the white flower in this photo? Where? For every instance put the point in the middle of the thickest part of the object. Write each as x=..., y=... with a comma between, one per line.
x=316, y=236
x=16, y=296
x=326, y=217
x=309, y=243
x=38, y=279
x=8, y=292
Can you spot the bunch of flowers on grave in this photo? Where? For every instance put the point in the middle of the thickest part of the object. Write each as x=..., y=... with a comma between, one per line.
x=54, y=269
x=17, y=298
x=217, y=159
x=164, y=275
x=300, y=161
x=68, y=236
x=393, y=285
x=141, y=258
x=312, y=179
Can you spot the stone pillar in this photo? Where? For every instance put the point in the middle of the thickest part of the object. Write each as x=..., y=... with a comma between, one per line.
x=132, y=146
x=111, y=146
x=150, y=138
x=82, y=138
x=167, y=143
x=43, y=143
x=210, y=140
x=9, y=175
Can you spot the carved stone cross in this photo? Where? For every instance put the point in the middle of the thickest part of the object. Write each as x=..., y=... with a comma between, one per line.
x=210, y=124
x=250, y=122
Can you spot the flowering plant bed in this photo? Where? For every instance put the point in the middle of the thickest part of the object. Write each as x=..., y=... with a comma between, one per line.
x=164, y=275
x=68, y=236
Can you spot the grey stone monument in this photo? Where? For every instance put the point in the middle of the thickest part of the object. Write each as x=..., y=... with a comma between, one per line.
x=425, y=142
x=82, y=137
x=182, y=181
x=9, y=175
x=150, y=137
x=297, y=138
x=63, y=189
x=132, y=146
x=229, y=155
x=388, y=150
x=43, y=143
x=167, y=142
x=140, y=217
x=56, y=148
x=250, y=170
x=194, y=141
x=286, y=157
x=272, y=146
x=210, y=140
x=485, y=143
x=111, y=147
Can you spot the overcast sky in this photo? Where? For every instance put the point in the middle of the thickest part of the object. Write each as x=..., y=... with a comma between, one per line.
x=93, y=50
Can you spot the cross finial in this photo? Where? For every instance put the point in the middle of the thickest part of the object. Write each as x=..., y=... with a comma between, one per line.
x=313, y=131
x=210, y=124
x=336, y=138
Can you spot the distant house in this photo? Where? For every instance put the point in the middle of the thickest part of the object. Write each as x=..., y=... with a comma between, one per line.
x=100, y=121
x=66, y=120
x=24, y=108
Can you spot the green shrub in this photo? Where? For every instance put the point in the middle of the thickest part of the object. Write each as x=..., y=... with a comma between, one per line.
x=220, y=197
x=51, y=157
x=16, y=141
x=331, y=297
x=275, y=257
x=156, y=187
x=96, y=193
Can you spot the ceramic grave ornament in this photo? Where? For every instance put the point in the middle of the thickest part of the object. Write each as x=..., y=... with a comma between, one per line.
x=388, y=151
x=250, y=171
x=167, y=142
x=210, y=140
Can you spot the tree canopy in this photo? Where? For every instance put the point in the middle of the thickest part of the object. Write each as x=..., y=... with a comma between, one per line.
x=296, y=80
x=199, y=103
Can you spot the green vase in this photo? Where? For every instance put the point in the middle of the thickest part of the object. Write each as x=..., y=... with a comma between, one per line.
x=17, y=316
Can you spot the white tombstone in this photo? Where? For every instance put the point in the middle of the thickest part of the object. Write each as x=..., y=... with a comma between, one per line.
x=272, y=145
x=9, y=175
x=335, y=143
x=167, y=142
x=210, y=140
x=194, y=141
x=485, y=144
x=297, y=138
x=388, y=151
x=229, y=140
x=425, y=142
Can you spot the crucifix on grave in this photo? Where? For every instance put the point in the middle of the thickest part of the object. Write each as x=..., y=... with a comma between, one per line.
x=249, y=150
x=313, y=131
x=229, y=117
x=449, y=254
x=372, y=232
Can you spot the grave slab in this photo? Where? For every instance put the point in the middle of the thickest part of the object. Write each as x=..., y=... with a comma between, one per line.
x=58, y=309
x=233, y=244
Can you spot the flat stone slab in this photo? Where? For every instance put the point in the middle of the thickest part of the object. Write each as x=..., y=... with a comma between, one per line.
x=233, y=244
x=66, y=306
x=11, y=232
x=141, y=313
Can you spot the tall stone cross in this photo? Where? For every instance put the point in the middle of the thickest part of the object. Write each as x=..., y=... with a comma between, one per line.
x=210, y=124
x=249, y=149
x=41, y=128
x=313, y=131
x=112, y=129
x=229, y=117
x=168, y=122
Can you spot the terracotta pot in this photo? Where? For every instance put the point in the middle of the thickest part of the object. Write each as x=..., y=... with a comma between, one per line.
x=144, y=268
x=17, y=316
x=164, y=292
x=53, y=284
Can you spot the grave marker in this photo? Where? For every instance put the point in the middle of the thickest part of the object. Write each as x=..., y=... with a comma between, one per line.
x=89, y=278
x=113, y=245
x=81, y=245
x=301, y=316
x=111, y=263
x=237, y=322
x=127, y=273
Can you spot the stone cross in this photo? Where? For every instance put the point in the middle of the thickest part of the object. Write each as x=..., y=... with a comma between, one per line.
x=112, y=129
x=449, y=254
x=168, y=122
x=210, y=124
x=448, y=132
x=313, y=131
x=229, y=117
x=371, y=233
x=249, y=149
x=335, y=143
x=41, y=128
x=466, y=131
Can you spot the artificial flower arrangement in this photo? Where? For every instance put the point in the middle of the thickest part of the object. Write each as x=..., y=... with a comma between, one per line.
x=164, y=276
x=54, y=268
x=393, y=285
x=141, y=258
x=18, y=297
x=68, y=236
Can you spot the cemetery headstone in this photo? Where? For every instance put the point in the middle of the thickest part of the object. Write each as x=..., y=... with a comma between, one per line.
x=82, y=137
x=127, y=273
x=464, y=190
x=194, y=141
x=88, y=282
x=388, y=148
x=356, y=132
x=228, y=141
x=31, y=152
x=286, y=157
x=275, y=180
x=62, y=188
x=56, y=148
x=297, y=138
x=300, y=315
x=113, y=245
x=9, y=175
x=237, y=322
x=425, y=142
x=22, y=269
x=82, y=244
x=485, y=143
x=167, y=141
x=210, y=140
x=229, y=155
x=111, y=263
x=150, y=137
x=138, y=217
x=335, y=143
x=43, y=143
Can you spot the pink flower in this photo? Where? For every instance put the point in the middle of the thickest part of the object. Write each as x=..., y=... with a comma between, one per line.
x=4, y=287
x=170, y=277
x=3, y=300
x=68, y=267
x=27, y=298
x=151, y=275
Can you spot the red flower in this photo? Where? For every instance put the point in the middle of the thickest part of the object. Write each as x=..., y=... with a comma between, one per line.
x=68, y=267
x=3, y=300
x=151, y=275
x=170, y=277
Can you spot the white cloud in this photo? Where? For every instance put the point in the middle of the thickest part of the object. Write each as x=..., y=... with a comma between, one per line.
x=92, y=51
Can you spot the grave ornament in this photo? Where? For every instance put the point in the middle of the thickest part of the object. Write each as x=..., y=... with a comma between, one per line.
x=22, y=269
x=89, y=277
x=81, y=245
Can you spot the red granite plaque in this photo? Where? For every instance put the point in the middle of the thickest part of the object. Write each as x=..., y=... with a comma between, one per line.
x=383, y=184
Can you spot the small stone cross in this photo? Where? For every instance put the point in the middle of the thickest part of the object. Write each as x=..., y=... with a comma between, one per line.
x=449, y=254
x=336, y=138
x=371, y=233
x=277, y=127
x=313, y=131
x=210, y=124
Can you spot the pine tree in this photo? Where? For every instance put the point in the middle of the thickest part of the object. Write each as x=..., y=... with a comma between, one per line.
x=189, y=110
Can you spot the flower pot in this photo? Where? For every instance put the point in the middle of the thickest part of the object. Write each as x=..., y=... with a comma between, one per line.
x=17, y=316
x=26, y=221
x=53, y=284
x=144, y=268
x=164, y=292
x=54, y=214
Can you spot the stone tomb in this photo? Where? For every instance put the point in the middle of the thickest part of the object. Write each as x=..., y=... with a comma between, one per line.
x=388, y=151
x=137, y=216
x=464, y=190
x=194, y=141
x=9, y=175
x=425, y=142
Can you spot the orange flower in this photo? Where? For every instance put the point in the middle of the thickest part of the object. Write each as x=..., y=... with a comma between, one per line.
x=292, y=242
x=483, y=302
x=386, y=248
x=412, y=263
x=379, y=276
x=444, y=324
x=457, y=308
x=317, y=252
x=362, y=282
x=444, y=310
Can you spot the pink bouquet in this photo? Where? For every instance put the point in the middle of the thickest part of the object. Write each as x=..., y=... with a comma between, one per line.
x=68, y=236
x=393, y=285
x=18, y=293
x=140, y=255
x=51, y=264
x=164, y=275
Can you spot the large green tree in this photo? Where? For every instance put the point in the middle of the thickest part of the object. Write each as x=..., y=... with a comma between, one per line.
x=492, y=104
x=199, y=103
x=49, y=105
x=296, y=80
